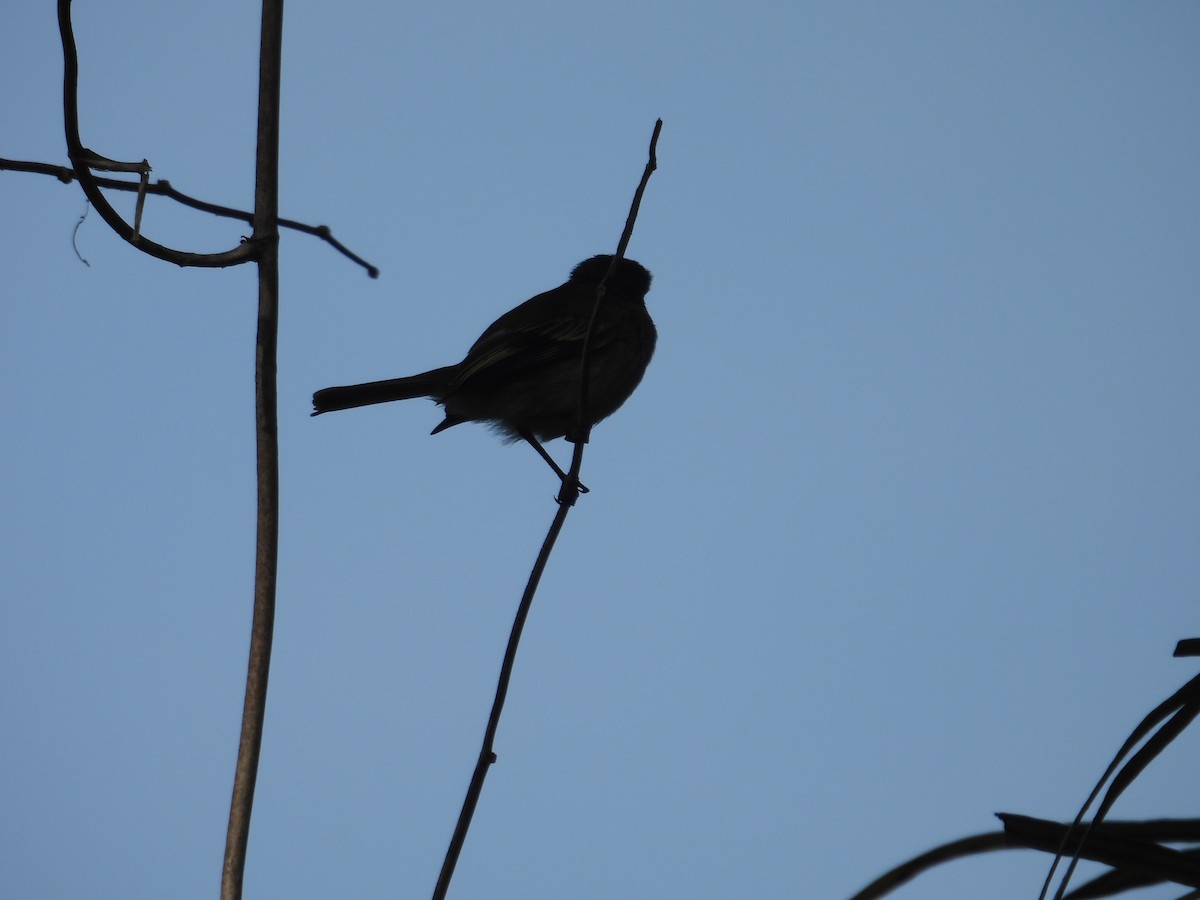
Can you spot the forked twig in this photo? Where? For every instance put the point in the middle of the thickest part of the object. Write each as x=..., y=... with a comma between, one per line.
x=164, y=188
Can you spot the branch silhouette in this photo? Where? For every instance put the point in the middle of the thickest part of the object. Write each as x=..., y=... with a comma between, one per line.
x=164, y=188
x=1134, y=850
x=263, y=248
x=567, y=496
x=84, y=160
x=1131, y=847
x=1126, y=847
x=1171, y=716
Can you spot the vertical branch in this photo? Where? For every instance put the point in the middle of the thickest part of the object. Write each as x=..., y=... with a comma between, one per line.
x=266, y=233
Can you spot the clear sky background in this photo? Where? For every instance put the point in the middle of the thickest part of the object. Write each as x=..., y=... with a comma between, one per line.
x=899, y=531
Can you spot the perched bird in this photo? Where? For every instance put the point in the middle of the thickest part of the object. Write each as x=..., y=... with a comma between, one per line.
x=522, y=375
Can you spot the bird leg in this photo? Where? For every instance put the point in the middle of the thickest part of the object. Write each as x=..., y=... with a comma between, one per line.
x=536, y=445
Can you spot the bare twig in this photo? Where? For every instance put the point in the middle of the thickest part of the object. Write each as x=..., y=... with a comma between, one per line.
x=570, y=491
x=83, y=159
x=567, y=496
x=164, y=188
x=141, y=200
x=75, y=234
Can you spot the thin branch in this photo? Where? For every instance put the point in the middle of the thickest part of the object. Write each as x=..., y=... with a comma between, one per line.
x=910, y=869
x=487, y=753
x=83, y=160
x=266, y=562
x=164, y=188
x=636, y=205
x=582, y=428
x=567, y=496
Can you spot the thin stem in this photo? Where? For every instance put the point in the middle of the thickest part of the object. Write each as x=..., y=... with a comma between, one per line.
x=266, y=232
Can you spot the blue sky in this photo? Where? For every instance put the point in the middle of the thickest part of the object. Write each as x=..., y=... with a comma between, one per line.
x=899, y=531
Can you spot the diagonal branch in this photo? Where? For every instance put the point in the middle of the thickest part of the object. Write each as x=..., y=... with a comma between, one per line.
x=570, y=489
x=567, y=496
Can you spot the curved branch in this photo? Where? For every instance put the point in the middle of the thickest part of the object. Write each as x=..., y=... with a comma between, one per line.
x=1124, y=842
x=164, y=188
x=910, y=869
x=82, y=159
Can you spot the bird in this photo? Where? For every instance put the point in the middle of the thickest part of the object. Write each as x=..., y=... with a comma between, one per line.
x=522, y=376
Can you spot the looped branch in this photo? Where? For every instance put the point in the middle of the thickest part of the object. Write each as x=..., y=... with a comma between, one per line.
x=84, y=160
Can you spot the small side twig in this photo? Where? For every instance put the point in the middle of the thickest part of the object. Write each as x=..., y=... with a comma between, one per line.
x=75, y=235
x=568, y=495
x=163, y=188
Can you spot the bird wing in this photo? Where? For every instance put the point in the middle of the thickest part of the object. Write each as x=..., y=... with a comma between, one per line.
x=542, y=332
x=506, y=353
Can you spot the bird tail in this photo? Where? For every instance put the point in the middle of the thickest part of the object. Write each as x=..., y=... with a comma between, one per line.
x=427, y=384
